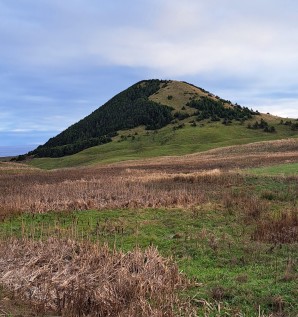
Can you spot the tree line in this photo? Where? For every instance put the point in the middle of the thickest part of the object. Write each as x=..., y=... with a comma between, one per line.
x=215, y=110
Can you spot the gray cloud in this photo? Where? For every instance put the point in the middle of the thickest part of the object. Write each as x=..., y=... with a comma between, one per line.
x=59, y=60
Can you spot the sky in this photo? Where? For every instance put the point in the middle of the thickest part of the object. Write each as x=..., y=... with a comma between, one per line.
x=61, y=60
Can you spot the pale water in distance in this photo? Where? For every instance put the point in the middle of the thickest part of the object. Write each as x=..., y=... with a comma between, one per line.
x=14, y=150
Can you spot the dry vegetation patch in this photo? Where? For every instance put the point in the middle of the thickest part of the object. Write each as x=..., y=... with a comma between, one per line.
x=15, y=168
x=174, y=182
x=277, y=146
x=10, y=306
x=83, y=279
x=281, y=229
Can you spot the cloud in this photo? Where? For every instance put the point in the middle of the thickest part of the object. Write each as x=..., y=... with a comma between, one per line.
x=192, y=43
x=60, y=60
x=181, y=39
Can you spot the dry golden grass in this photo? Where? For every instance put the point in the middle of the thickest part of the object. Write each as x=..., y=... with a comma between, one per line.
x=83, y=279
x=109, y=188
x=277, y=146
x=12, y=306
x=88, y=189
x=180, y=93
x=10, y=168
x=281, y=229
x=164, y=182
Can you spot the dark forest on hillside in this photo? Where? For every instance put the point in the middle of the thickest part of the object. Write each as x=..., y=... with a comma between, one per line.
x=128, y=109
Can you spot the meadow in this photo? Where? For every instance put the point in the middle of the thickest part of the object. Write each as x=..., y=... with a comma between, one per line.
x=138, y=143
x=218, y=228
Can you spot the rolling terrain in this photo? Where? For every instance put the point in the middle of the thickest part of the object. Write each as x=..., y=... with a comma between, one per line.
x=193, y=215
x=187, y=119
x=227, y=217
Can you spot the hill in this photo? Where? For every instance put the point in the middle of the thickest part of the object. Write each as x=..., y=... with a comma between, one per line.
x=158, y=117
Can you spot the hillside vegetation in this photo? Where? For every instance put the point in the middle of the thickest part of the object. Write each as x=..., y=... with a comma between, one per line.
x=138, y=143
x=153, y=118
x=129, y=109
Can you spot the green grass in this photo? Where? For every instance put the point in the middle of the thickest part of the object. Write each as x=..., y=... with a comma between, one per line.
x=281, y=169
x=211, y=246
x=166, y=142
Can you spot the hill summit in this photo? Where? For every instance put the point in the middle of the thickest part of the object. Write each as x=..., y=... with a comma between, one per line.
x=152, y=104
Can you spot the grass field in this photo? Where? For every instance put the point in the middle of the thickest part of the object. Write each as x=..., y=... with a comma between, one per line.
x=281, y=169
x=137, y=143
x=226, y=217
x=210, y=246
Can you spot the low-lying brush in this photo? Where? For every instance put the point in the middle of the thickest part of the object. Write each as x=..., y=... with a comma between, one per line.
x=162, y=182
x=282, y=229
x=248, y=205
x=83, y=279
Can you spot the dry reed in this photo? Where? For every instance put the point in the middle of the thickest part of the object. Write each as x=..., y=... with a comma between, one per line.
x=281, y=229
x=83, y=279
x=161, y=182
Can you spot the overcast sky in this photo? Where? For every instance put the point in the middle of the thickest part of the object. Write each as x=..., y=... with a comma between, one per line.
x=60, y=60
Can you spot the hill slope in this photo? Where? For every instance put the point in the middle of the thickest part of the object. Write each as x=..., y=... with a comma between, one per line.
x=128, y=109
x=153, y=118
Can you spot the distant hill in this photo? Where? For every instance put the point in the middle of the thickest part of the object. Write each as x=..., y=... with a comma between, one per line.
x=162, y=117
x=152, y=104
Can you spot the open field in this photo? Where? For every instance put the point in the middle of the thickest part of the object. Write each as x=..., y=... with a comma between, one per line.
x=146, y=183
x=281, y=169
x=233, y=231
